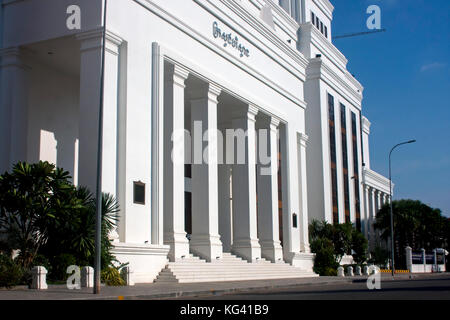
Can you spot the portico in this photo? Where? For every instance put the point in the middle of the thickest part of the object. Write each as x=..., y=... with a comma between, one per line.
x=230, y=148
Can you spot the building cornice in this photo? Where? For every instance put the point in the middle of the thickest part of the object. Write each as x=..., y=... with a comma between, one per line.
x=263, y=29
x=311, y=34
x=317, y=69
x=326, y=7
x=366, y=125
x=282, y=18
x=376, y=181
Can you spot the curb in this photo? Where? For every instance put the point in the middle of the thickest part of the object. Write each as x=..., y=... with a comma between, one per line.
x=194, y=293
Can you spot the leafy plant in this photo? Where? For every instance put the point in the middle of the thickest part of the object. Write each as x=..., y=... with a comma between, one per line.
x=416, y=225
x=331, y=242
x=325, y=259
x=31, y=197
x=111, y=277
x=11, y=273
x=359, y=247
x=42, y=212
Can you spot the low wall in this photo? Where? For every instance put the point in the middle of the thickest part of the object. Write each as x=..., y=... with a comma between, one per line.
x=145, y=261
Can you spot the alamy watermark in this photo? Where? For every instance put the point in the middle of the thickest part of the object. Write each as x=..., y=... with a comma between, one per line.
x=374, y=280
x=374, y=20
x=229, y=146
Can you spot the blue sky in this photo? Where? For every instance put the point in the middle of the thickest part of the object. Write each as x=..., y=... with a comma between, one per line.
x=405, y=72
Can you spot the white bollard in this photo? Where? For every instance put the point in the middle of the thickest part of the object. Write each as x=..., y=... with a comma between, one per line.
x=358, y=271
x=39, y=280
x=87, y=277
x=127, y=275
x=350, y=271
x=366, y=271
x=340, y=272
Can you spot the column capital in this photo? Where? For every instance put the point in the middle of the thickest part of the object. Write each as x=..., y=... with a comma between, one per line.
x=178, y=74
x=12, y=56
x=214, y=89
x=267, y=122
x=274, y=122
x=252, y=110
x=208, y=91
x=248, y=113
x=92, y=40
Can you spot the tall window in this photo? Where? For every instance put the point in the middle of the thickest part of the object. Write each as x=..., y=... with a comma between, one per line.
x=356, y=173
x=345, y=162
x=334, y=191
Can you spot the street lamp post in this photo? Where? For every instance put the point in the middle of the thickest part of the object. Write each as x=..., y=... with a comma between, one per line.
x=98, y=215
x=390, y=197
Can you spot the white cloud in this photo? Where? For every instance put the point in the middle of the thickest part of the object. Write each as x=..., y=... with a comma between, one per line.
x=434, y=65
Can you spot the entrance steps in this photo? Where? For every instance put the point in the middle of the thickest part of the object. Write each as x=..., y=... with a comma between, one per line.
x=229, y=268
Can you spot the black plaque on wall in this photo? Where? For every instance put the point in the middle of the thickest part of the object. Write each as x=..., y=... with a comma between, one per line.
x=138, y=192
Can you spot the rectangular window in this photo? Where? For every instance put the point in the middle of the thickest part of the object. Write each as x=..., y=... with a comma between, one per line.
x=326, y=32
x=334, y=190
x=313, y=18
x=345, y=163
x=355, y=172
x=317, y=23
x=321, y=27
x=139, y=192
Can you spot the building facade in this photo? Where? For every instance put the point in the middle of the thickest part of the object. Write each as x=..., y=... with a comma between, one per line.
x=240, y=65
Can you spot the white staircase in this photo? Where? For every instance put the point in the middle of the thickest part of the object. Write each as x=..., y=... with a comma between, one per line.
x=229, y=268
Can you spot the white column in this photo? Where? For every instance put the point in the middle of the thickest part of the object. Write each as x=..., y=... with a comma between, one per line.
x=385, y=198
x=224, y=189
x=290, y=192
x=267, y=186
x=174, y=230
x=90, y=78
x=304, y=223
x=13, y=108
x=367, y=217
x=372, y=216
x=245, y=241
x=377, y=201
x=205, y=240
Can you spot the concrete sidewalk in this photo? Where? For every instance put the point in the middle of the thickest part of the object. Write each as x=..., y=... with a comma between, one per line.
x=164, y=290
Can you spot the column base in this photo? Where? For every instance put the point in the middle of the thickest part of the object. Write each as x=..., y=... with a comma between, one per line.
x=206, y=246
x=179, y=245
x=248, y=249
x=272, y=251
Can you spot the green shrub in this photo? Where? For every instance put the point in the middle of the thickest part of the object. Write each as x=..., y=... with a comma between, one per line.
x=359, y=246
x=380, y=256
x=325, y=259
x=330, y=272
x=111, y=277
x=11, y=273
x=60, y=264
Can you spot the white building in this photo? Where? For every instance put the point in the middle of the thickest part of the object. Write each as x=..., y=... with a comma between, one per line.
x=231, y=64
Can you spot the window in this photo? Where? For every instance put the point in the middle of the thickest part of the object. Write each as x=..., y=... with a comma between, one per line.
x=319, y=24
x=355, y=172
x=334, y=191
x=139, y=192
x=345, y=163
